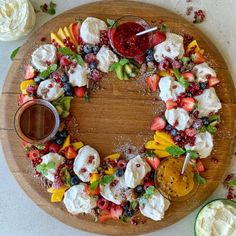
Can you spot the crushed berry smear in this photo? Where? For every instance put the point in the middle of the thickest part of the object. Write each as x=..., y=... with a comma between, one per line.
x=199, y=16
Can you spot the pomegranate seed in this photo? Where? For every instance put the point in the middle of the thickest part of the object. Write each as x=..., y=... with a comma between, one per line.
x=138, y=165
x=91, y=158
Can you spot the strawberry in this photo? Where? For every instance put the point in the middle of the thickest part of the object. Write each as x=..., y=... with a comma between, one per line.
x=188, y=103
x=140, y=59
x=148, y=184
x=189, y=76
x=23, y=98
x=54, y=147
x=152, y=82
x=158, y=37
x=91, y=192
x=30, y=73
x=33, y=154
x=158, y=123
x=46, y=148
x=191, y=132
x=199, y=166
x=116, y=211
x=197, y=58
x=170, y=104
x=70, y=153
x=213, y=81
x=104, y=215
x=102, y=203
x=79, y=91
x=153, y=162
x=75, y=30
x=64, y=61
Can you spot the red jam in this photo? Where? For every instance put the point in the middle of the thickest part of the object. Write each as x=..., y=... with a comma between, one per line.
x=127, y=43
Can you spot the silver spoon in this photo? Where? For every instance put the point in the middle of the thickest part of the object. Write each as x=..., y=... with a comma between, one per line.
x=186, y=161
x=147, y=31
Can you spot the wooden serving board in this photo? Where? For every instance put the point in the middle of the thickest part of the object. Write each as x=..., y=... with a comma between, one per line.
x=120, y=113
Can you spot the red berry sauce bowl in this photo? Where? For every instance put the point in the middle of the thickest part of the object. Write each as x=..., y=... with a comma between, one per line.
x=36, y=121
x=123, y=39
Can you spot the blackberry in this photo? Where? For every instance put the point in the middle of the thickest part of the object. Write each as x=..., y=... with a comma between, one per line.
x=205, y=120
x=129, y=213
x=87, y=49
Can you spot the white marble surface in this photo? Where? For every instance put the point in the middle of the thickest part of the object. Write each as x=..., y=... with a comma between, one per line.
x=19, y=216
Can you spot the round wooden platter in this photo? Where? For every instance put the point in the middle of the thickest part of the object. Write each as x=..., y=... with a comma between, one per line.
x=120, y=113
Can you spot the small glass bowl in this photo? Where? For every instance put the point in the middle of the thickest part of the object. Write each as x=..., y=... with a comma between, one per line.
x=163, y=191
x=224, y=200
x=126, y=19
x=27, y=105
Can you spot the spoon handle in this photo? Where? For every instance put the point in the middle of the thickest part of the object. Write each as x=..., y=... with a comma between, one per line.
x=147, y=31
x=186, y=161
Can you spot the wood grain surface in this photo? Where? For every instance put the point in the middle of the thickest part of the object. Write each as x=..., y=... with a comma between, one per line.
x=118, y=114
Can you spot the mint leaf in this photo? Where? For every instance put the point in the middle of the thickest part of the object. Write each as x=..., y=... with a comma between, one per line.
x=193, y=154
x=200, y=179
x=44, y=74
x=163, y=28
x=214, y=118
x=177, y=73
x=123, y=218
x=110, y=22
x=211, y=129
x=175, y=151
x=94, y=185
x=134, y=204
x=86, y=97
x=232, y=183
x=106, y=179
x=39, y=146
x=183, y=82
x=114, y=66
x=150, y=153
x=66, y=51
x=124, y=61
x=42, y=168
x=79, y=60
x=150, y=190
x=52, y=4
x=51, y=11
x=185, y=60
x=14, y=52
x=50, y=165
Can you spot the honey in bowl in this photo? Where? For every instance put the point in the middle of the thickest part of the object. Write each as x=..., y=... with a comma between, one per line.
x=36, y=121
x=171, y=183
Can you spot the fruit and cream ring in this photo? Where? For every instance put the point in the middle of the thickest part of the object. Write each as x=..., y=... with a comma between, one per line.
x=116, y=186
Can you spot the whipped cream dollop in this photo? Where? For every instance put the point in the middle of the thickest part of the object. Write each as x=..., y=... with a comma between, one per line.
x=172, y=47
x=202, y=71
x=86, y=162
x=135, y=172
x=208, y=102
x=169, y=89
x=155, y=206
x=50, y=90
x=203, y=144
x=52, y=157
x=17, y=19
x=105, y=59
x=117, y=192
x=90, y=30
x=78, y=76
x=178, y=117
x=78, y=201
x=43, y=56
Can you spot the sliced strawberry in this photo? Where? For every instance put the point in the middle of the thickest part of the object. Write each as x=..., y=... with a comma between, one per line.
x=153, y=81
x=148, y=184
x=79, y=91
x=190, y=132
x=104, y=216
x=26, y=145
x=158, y=37
x=140, y=59
x=213, y=81
x=188, y=104
x=199, y=166
x=64, y=61
x=158, y=123
x=54, y=147
x=75, y=30
x=153, y=162
x=116, y=211
x=23, y=98
x=103, y=203
x=46, y=148
x=30, y=73
x=70, y=153
x=91, y=192
x=189, y=76
x=170, y=104
x=198, y=58
x=33, y=154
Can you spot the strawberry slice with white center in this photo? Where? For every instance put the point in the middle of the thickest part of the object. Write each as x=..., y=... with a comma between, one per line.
x=158, y=123
x=199, y=166
x=198, y=58
x=116, y=211
x=158, y=37
x=189, y=76
x=153, y=162
x=153, y=81
x=212, y=81
x=30, y=73
x=170, y=104
x=191, y=132
x=188, y=104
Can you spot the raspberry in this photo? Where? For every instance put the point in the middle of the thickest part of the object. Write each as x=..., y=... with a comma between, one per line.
x=197, y=124
x=187, y=40
x=102, y=203
x=199, y=16
x=57, y=183
x=31, y=90
x=96, y=75
x=176, y=64
x=164, y=65
x=90, y=57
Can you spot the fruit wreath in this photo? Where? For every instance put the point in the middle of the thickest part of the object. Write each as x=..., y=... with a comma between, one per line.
x=117, y=186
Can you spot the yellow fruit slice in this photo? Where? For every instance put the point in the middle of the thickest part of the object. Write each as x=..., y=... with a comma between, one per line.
x=71, y=33
x=193, y=44
x=68, y=34
x=57, y=197
x=24, y=84
x=163, y=138
x=66, y=143
x=61, y=34
x=163, y=73
x=94, y=177
x=77, y=145
x=57, y=190
x=57, y=40
x=151, y=145
x=113, y=156
x=110, y=171
x=161, y=153
x=201, y=51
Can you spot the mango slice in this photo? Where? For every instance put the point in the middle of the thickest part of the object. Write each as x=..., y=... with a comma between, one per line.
x=194, y=44
x=163, y=138
x=77, y=145
x=24, y=84
x=113, y=156
x=57, y=39
x=94, y=177
x=110, y=171
x=57, y=194
x=68, y=34
x=161, y=153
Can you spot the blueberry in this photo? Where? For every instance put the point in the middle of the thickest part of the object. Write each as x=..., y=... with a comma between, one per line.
x=174, y=132
x=38, y=79
x=93, y=65
x=87, y=49
x=203, y=85
x=74, y=180
x=150, y=51
x=168, y=127
x=96, y=49
x=126, y=206
x=139, y=189
x=59, y=141
x=63, y=133
x=129, y=213
x=69, y=93
x=152, y=174
x=119, y=172
x=149, y=58
x=205, y=120
x=67, y=87
x=64, y=78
